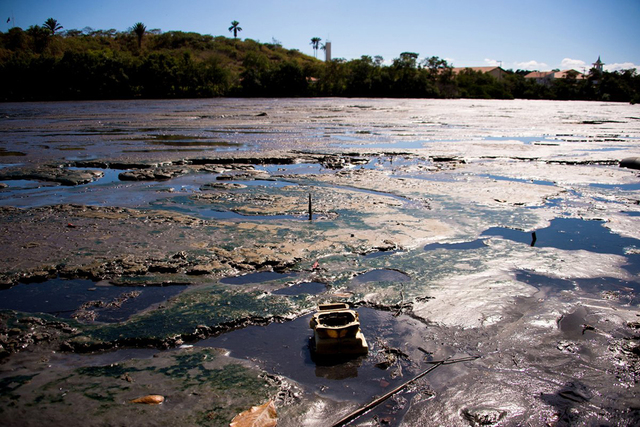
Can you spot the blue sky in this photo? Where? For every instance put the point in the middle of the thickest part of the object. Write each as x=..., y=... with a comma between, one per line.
x=535, y=35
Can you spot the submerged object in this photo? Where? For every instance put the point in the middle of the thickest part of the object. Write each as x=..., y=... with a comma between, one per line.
x=337, y=331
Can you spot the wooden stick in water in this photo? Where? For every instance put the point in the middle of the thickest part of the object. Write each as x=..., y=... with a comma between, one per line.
x=355, y=414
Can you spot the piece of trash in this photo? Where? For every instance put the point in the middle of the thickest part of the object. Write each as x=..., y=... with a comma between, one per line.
x=259, y=416
x=315, y=265
x=69, y=225
x=337, y=331
x=152, y=399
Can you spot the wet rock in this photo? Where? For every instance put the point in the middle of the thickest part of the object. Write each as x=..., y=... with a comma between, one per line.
x=41, y=336
x=98, y=164
x=87, y=313
x=180, y=255
x=212, y=169
x=155, y=174
x=132, y=267
x=32, y=320
x=245, y=175
x=631, y=349
x=162, y=175
x=6, y=281
x=108, y=164
x=27, y=331
x=222, y=186
x=568, y=347
x=165, y=267
x=634, y=325
x=14, y=332
x=57, y=174
x=388, y=356
x=137, y=165
x=387, y=246
x=342, y=161
x=37, y=276
x=138, y=175
x=203, y=269
x=95, y=271
x=483, y=416
x=448, y=159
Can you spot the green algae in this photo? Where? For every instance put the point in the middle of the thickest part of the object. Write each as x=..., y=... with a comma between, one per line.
x=114, y=371
x=200, y=386
x=209, y=306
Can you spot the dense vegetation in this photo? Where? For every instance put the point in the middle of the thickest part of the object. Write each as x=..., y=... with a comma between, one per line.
x=44, y=63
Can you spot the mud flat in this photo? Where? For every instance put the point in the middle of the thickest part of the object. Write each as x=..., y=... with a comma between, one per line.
x=178, y=248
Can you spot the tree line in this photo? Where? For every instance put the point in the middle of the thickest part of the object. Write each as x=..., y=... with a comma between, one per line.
x=47, y=63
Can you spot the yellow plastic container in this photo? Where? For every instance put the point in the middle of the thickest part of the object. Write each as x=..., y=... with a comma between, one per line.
x=337, y=331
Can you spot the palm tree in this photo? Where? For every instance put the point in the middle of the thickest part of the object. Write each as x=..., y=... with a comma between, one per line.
x=315, y=43
x=139, y=29
x=235, y=28
x=52, y=26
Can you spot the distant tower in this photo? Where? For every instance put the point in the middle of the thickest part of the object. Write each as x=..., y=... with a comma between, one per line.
x=327, y=51
x=598, y=65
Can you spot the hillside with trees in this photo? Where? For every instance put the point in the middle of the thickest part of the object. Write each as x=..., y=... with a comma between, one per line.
x=49, y=63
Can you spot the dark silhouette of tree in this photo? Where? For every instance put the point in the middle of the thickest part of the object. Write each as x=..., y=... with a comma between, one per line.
x=39, y=37
x=16, y=39
x=234, y=28
x=406, y=60
x=139, y=29
x=104, y=64
x=315, y=43
x=52, y=25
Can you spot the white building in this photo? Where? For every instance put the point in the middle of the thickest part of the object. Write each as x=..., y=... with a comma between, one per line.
x=327, y=51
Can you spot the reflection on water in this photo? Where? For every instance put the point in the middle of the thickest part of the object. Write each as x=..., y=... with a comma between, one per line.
x=310, y=288
x=571, y=234
x=574, y=325
x=511, y=179
x=624, y=291
x=476, y=244
x=63, y=298
x=622, y=187
x=209, y=126
x=381, y=275
x=259, y=277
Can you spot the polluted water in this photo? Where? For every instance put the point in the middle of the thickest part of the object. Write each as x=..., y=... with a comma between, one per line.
x=180, y=248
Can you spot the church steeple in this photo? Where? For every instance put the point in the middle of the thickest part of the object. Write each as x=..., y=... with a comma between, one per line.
x=598, y=65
